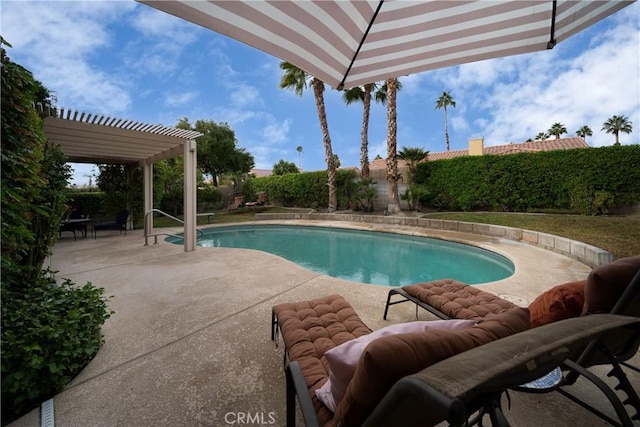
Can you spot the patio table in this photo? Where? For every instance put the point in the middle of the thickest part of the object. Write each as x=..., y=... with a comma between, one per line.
x=73, y=225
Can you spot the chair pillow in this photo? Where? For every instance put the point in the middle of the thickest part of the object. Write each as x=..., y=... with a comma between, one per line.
x=606, y=283
x=343, y=359
x=558, y=303
x=390, y=358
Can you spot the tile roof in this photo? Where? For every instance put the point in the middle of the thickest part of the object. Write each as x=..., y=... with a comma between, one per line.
x=260, y=172
x=524, y=147
x=382, y=164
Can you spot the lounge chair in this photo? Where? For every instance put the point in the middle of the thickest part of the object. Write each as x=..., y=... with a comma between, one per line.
x=611, y=288
x=236, y=203
x=262, y=199
x=119, y=223
x=419, y=378
x=474, y=381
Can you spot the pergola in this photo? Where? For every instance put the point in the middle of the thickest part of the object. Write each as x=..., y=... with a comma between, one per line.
x=94, y=138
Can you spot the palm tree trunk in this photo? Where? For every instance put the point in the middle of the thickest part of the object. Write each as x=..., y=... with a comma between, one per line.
x=364, y=146
x=393, y=201
x=446, y=128
x=318, y=89
x=617, y=138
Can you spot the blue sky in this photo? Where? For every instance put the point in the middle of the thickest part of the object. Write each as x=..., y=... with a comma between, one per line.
x=127, y=60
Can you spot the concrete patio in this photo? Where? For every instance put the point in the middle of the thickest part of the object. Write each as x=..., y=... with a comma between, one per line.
x=189, y=342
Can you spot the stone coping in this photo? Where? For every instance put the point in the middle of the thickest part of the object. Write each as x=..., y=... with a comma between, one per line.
x=585, y=253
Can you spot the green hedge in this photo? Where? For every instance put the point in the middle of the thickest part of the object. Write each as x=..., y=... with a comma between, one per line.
x=308, y=189
x=89, y=202
x=587, y=181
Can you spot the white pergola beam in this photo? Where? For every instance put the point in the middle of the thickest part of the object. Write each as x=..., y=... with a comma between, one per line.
x=92, y=138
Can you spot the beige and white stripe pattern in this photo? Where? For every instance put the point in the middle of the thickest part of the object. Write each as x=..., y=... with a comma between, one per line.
x=350, y=43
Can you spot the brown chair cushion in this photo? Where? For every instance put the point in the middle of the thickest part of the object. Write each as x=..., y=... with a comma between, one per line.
x=388, y=359
x=458, y=300
x=606, y=283
x=558, y=303
x=311, y=328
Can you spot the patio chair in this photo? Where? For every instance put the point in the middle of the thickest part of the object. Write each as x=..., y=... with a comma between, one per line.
x=612, y=288
x=473, y=382
x=262, y=199
x=612, y=348
x=236, y=203
x=74, y=220
x=119, y=223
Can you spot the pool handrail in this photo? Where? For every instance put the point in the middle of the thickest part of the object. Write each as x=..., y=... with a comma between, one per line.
x=147, y=227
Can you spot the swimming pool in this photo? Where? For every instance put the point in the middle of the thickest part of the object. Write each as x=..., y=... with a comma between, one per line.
x=363, y=256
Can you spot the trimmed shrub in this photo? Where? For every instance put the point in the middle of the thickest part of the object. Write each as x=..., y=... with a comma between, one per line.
x=588, y=181
x=308, y=189
x=89, y=202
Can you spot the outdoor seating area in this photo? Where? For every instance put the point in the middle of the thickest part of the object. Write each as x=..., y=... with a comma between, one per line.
x=177, y=353
x=119, y=223
x=341, y=372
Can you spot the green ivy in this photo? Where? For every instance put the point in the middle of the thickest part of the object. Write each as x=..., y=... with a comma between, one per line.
x=48, y=331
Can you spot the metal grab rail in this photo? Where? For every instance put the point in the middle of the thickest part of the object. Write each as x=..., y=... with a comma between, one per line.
x=147, y=233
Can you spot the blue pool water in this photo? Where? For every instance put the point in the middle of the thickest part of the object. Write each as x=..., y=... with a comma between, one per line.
x=362, y=256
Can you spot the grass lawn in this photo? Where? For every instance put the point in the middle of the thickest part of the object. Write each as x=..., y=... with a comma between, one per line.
x=618, y=235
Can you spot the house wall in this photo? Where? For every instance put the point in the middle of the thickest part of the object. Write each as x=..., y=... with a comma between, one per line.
x=382, y=188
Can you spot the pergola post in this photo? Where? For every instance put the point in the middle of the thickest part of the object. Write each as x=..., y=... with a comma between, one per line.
x=190, y=195
x=148, y=195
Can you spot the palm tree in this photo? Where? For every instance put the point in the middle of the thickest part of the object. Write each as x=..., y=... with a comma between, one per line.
x=542, y=136
x=299, y=150
x=336, y=161
x=412, y=156
x=442, y=102
x=557, y=129
x=584, y=132
x=296, y=79
x=617, y=124
x=393, y=203
x=363, y=94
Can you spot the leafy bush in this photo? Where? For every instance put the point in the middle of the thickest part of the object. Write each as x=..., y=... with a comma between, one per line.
x=308, y=189
x=365, y=195
x=49, y=333
x=210, y=198
x=587, y=181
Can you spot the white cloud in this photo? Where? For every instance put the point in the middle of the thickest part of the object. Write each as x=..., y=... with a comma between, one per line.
x=180, y=99
x=545, y=88
x=78, y=31
x=244, y=95
x=276, y=132
x=378, y=149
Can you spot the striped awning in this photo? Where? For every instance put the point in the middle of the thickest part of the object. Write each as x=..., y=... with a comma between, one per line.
x=351, y=43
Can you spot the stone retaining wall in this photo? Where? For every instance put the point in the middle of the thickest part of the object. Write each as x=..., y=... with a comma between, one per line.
x=587, y=254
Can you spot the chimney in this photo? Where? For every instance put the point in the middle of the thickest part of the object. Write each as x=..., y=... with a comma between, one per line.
x=476, y=146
